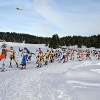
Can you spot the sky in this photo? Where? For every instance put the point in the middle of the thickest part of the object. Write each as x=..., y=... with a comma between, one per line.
x=48, y=17
x=72, y=80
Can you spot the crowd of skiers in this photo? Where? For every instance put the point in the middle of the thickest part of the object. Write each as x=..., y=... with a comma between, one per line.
x=43, y=58
x=25, y=53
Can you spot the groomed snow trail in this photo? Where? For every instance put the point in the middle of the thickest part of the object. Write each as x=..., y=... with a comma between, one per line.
x=53, y=82
x=46, y=83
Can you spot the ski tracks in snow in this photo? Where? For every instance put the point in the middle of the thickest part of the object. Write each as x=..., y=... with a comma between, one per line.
x=38, y=84
x=51, y=82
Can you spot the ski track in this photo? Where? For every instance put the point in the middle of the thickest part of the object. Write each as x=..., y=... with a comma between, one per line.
x=44, y=82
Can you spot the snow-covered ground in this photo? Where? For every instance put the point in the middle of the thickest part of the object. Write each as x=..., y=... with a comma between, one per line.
x=73, y=80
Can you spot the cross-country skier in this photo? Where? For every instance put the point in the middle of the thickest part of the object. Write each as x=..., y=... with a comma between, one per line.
x=3, y=55
x=39, y=59
x=47, y=54
x=59, y=57
x=72, y=54
x=12, y=56
x=24, y=58
x=88, y=54
x=52, y=56
x=64, y=56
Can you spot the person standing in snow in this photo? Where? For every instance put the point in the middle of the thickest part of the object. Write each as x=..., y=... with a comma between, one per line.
x=59, y=56
x=64, y=56
x=88, y=56
x=12, y=56
x=39, y=59
x=47, y=54
x=52, y=56
x=3, y=55
x=24, y=58
x=72, y=54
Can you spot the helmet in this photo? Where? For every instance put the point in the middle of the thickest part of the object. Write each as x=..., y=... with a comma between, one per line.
x=11, y=47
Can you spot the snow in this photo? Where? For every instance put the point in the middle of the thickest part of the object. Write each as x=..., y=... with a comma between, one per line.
x=73, y=80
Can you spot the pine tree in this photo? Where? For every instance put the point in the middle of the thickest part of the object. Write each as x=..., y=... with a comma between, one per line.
x=54, y=43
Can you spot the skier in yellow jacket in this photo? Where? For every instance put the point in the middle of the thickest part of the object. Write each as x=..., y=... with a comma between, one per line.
x=12, y=56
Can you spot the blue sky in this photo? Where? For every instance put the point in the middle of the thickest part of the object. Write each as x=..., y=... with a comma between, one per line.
x=48, y=17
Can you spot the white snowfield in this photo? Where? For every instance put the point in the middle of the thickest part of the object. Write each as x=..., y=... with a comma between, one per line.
x=73, y=80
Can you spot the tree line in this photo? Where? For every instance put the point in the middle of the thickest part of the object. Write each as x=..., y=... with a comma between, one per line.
x=53, y=42
x=91, y=41
x=20, y=37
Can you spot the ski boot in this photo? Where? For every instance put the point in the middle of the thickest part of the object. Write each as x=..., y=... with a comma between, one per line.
x=17, y=64
x=10, y=65
x=2, y=70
